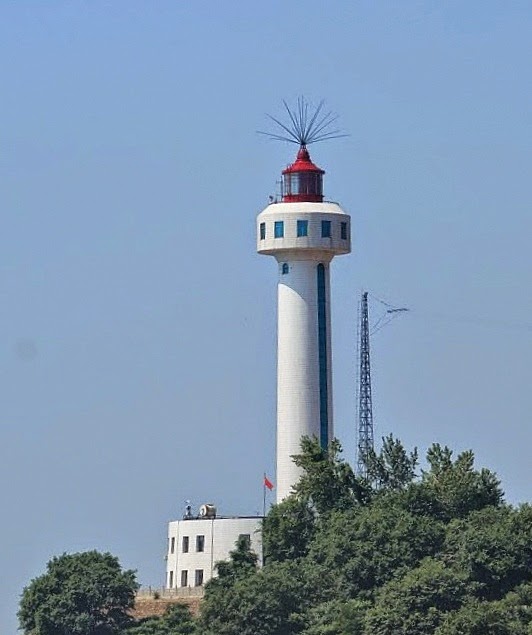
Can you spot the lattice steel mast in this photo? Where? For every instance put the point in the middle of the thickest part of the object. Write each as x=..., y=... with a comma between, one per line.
x=364, y=403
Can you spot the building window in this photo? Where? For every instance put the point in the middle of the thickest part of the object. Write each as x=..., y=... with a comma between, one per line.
x=325, y=228
x=198, y=578
x=184, y=577
x=302, y=227
x=278, y=229
x=171, y=580
x=246, y=539
x=200, y=543
x=343, y=231
x=284, y=268
x=262, y=231
x=172, y=545
x=185, y=544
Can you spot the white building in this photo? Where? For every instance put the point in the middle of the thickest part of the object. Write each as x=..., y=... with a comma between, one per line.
x=195, y=545
x=303, y=233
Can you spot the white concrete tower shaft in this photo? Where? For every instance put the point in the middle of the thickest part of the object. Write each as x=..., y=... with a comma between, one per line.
x=303, y=236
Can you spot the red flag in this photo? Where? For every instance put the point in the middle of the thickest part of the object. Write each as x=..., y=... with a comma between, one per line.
x=268, y=483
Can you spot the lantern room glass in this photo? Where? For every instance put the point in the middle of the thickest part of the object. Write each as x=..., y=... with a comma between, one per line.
x=303, y=183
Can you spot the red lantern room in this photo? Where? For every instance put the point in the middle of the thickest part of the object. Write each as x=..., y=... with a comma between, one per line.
x=303, y=181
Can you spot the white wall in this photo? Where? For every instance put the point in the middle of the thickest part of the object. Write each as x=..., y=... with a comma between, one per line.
x=298, y=390
x=220, y=535
x=314, y=213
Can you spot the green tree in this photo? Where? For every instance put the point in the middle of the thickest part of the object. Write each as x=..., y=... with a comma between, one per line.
x=80, y=594
x=417, y=603
x=337, y=617
x=328, y=482
x=366, y=547
x=493, y=547
x=242, y=562
x=510, y=616
x=395, y=554
x=392, y=468
x=176, y=620
x=287, y=530
x=457, y=487
x=271, y=601
x=479, y=618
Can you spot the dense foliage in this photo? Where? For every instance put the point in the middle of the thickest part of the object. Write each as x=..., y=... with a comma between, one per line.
x=80, y=594
x=397, y=553
x=177, y=620
x=402, y=552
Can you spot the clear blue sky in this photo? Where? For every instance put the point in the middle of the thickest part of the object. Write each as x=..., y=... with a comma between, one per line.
x=137, y=324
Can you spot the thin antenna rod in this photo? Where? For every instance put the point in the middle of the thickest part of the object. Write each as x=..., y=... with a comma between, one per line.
x=306, y=125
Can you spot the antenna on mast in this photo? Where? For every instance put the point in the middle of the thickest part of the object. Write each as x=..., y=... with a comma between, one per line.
x=306, y=124
x=364, y=401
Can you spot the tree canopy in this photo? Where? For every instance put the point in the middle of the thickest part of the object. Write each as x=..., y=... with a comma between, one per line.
x=176, y=620
x=403, y=551
x=80, y=594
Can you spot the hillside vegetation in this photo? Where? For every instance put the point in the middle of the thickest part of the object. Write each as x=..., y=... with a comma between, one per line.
x=395, y=554
x=403, y=552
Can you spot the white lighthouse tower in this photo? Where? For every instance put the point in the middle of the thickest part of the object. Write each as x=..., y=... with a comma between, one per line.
x=304, y=233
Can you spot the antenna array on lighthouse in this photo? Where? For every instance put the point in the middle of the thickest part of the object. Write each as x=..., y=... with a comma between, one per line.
x=306, y=124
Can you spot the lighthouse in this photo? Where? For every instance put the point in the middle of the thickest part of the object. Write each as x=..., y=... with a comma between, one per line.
x=303, y=232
